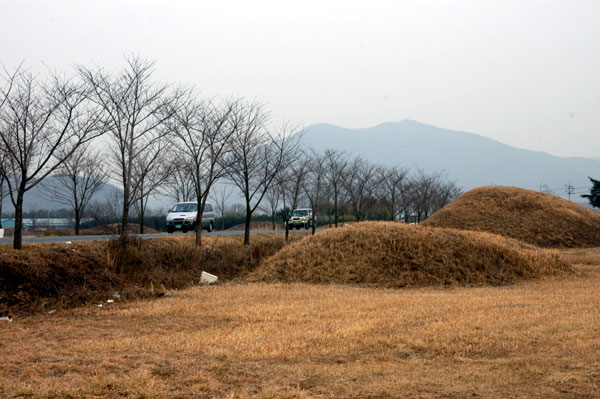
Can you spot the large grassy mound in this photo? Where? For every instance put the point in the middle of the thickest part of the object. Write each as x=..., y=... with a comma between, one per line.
x=399, y=255
x=537, y=218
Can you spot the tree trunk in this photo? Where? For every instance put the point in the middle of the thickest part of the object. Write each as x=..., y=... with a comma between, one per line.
x=287, y=228
x=313, y=222
x=18, y=238
x=273, y=219
x=198, y=231
x=247, y=225
x=335, y=210
x=141, y=217
x=125, y=222
x=77, y=220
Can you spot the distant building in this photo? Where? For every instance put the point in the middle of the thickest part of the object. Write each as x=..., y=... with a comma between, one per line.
x=8, y=222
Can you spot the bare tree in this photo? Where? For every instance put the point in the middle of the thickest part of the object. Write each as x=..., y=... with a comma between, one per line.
x=203, y=131
x=273, y=197
x=360, y=183
x=394, y=182
x=3, y=184
x=79, y=178
x=256, y=155
x=336, y=163
x=237, y=210
x=406, y=198
x=179, y=184
x=291, y=181
x=106, y=212
x=150, y=170
x=42, y=123
x=220, y=195
x=424, y=191
x=313, y=186
x=136, y=110
x=447, y=191
x=4, y=165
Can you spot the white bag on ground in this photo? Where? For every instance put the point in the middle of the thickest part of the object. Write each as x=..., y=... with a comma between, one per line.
x=207, y=278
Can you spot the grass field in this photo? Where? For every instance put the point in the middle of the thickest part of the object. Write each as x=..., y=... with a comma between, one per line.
x=537, y=339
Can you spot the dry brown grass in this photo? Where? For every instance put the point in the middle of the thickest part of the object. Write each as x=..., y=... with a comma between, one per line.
x=582, y=256
x=531, y=340
x=48, y=276
x=537, y=218
x=400, y=255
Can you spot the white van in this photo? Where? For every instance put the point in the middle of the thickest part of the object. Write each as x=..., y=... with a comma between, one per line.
x=183, y=216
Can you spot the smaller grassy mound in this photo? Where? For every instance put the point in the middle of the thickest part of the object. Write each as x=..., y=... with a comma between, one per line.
x=400, y=255
x=537, y=218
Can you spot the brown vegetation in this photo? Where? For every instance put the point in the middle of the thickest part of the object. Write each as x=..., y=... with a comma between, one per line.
x=46, y=276
x=399, y=255
x=537, y=218
x=537, y=340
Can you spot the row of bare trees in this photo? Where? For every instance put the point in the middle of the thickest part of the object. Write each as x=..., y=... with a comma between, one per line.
x=140, y=133
x=333, y=181
x=149, y=137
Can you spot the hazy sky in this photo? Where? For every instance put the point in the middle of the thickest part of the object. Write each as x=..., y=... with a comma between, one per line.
x=526, y=73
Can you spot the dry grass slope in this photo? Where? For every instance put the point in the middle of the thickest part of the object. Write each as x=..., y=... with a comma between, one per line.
x=540, y=219
x=50, y=276
x=399, y=255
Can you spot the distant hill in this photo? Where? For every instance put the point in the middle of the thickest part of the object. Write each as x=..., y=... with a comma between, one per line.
x=470, y=159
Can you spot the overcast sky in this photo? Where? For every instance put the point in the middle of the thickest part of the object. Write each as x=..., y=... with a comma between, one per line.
x=526, y=73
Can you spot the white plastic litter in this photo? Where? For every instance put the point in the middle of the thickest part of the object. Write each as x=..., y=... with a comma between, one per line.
x=207, y=278
x=52, y=311
x=68, y=242
x=1, y=233
x=99, y=305
x=6, y=318
x=109, y=301
x=116, y=295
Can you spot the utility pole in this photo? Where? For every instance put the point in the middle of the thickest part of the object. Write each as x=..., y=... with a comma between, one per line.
x=569, y=189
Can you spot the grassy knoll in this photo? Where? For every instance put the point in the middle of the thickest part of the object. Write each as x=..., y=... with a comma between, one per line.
x=400, y=255
x=530, y=216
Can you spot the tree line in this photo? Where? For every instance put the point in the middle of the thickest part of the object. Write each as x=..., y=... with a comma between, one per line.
x=95, y=126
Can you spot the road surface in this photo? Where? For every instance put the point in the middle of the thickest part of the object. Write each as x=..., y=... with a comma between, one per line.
x=9, y=240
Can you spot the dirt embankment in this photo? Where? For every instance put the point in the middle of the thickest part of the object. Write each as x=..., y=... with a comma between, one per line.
x=43, y=277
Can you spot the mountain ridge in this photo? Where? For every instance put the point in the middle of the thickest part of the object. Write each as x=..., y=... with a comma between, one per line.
x=471, y=159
